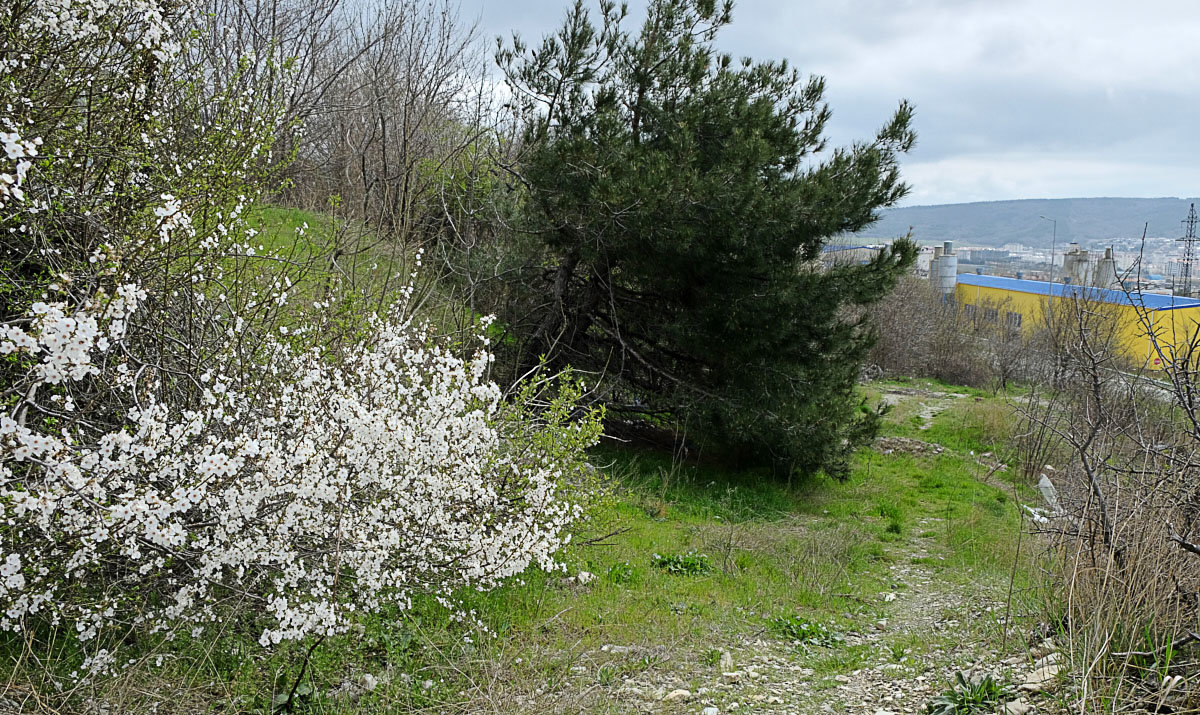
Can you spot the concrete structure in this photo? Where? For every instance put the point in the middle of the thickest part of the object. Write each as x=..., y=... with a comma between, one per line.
x=947, y=270
x=1171, y=320
x=1076, y=268
x=1106, y=271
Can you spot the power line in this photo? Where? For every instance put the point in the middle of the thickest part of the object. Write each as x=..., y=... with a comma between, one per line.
x=1189, y=252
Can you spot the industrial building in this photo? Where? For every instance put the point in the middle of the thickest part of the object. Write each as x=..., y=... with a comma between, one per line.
x=1024, y=304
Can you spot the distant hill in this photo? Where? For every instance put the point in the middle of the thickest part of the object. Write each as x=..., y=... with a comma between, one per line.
x=994, y=223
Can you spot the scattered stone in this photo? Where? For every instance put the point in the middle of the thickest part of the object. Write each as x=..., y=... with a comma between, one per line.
x=734, y=676
x=1048, y=659
x=679, y=696
x=1042, y=649
x=726, y=661
x=907, y=445
x=842, y=678
x=710, y=711
x=1016, y=707
x=1037, y=681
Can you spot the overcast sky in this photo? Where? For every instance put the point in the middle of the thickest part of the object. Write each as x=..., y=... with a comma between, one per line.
x=1014, y=98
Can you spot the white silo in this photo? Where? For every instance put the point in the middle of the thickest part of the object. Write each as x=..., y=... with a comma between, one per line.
x=947, y=269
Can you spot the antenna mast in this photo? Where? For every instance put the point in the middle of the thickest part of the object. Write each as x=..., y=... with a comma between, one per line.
x=1189, y=252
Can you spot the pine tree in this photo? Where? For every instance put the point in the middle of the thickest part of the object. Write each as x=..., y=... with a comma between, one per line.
x=676, y=204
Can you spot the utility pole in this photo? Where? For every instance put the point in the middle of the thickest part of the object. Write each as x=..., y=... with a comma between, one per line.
x=1053, y=240
x=1189, y=253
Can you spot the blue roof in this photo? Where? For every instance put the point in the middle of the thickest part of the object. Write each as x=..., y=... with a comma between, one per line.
x=1150, y=301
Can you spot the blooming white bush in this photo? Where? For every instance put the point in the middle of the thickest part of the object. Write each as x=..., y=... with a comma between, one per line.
x=313, y=488
x=176, y=439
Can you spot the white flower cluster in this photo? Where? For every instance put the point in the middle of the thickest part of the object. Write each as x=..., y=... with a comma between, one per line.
x=316, y=490
x=20, y=151
x=171, y=217
x=64, y=343
x=74, y=20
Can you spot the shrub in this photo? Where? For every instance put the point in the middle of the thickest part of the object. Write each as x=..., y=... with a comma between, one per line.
x=689, y=564
x=970, y=696
x=316, y=489
x=804, y=632
x=622, y=573
x=178, y=436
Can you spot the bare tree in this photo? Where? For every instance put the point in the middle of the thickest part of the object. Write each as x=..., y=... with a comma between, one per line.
x=1126, y=544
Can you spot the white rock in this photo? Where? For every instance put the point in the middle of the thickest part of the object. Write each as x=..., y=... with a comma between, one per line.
x=1042, y=649
x=1016, y=707
x=710, y=711
x=734, y=676
x=1048, y=659
x=726, y=661
x=1037, y=681
x=680, y=695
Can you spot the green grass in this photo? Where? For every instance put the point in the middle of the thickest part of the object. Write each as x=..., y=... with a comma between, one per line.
x=341, y=271
x=814, y=556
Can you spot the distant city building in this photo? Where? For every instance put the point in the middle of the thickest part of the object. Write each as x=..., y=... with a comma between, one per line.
x=1137, y=317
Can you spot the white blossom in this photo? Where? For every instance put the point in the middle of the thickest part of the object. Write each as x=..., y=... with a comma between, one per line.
x=327, y=488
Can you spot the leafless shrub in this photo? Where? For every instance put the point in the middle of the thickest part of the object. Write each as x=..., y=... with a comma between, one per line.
x=1128, y=565
x=922, y=333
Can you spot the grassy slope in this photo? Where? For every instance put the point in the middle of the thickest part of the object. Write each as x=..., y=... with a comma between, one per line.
x=822, y=550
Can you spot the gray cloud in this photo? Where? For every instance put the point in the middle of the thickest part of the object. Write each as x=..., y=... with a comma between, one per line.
x=1015, y=98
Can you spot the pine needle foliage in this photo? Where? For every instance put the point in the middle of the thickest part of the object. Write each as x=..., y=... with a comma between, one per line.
x=676, y=204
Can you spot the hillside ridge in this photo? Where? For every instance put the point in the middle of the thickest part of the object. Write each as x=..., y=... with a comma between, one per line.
x=995, y=223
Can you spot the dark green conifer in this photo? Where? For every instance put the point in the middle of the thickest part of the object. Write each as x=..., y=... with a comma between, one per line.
x=679, y=201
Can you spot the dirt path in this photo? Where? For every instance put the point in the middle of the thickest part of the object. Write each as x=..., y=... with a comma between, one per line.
x=905, y=648
x=925, y=631
x=931, y=403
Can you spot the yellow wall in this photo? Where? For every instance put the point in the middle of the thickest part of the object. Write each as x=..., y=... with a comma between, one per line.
x=1173, y=328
